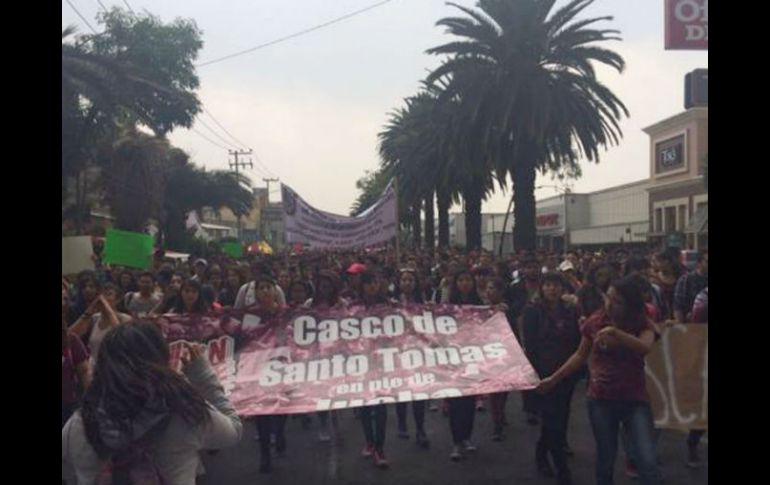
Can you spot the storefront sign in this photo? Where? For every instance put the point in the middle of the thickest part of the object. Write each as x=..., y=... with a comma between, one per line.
x=669, y=155
x=687, y=25
x=547, y=220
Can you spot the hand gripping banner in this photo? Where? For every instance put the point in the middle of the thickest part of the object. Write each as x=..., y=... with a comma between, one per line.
x=311, y=360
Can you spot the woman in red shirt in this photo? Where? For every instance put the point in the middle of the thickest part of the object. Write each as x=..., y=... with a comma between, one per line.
x=615, y=342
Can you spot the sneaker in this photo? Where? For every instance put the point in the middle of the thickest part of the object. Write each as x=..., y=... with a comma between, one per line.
x=469, y=447
x=693, y=459
x=456, y=455
x=379, y=459
x=631, y=470
x=324, y=437
x=368, y=451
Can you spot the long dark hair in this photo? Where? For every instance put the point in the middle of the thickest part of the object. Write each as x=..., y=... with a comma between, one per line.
x=132, y=370
x=200, y=303
x=634, y=316
x=336, y=284
x=370, y=276
x=456, y=298
x=417, y=295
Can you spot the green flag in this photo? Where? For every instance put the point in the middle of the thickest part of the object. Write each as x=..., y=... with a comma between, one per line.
x=132, y=249
x=234, y=249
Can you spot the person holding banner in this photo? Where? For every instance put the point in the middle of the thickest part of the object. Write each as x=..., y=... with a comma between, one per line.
x=409, y=292
x=299, y=293
x=462, y=409
x=230, y=286
x=140, y=303
x=615, y=342
x=326, y=295
x=521, y=294
x=373, y=418
x=247, y=295
x=190, y=299
x=139, y=416
x=269, y=425
x=171, y=297
x=551, y=336
x=494, y=295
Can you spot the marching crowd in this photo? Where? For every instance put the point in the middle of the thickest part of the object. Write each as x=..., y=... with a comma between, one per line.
x=126, y=415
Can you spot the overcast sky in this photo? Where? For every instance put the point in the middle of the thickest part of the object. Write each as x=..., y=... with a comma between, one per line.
x=311, y=107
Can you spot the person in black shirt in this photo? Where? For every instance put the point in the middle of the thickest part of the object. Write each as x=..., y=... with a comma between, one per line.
x=551, y=336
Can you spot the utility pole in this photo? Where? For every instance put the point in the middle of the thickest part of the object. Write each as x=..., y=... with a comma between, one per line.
x=236, y=165
x=267, y=181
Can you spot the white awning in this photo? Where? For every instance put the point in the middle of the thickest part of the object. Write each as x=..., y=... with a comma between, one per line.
x=216, y=227
x=175, y=255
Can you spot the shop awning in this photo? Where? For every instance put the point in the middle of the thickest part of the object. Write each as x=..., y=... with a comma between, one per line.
x=699, y=222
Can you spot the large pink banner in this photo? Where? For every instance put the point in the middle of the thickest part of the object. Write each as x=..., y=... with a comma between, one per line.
x=307, y=360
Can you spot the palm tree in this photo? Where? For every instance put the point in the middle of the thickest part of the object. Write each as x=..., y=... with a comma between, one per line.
x=409, y=150
x=136, y=178
x=530, y=91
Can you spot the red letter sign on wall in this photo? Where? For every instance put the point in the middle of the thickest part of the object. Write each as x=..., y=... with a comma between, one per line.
x=687, y=24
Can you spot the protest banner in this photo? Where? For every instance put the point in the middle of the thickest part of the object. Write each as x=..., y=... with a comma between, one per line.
x=321, y=230
x=76, y=254
x=307, y=360
x=132, y=249
x=677, y=378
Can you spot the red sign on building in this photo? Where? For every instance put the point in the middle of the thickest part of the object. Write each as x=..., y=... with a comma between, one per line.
x=547, y=220
x=687, y=24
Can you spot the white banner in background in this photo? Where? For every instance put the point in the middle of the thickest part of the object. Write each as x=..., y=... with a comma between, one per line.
x=321, y=230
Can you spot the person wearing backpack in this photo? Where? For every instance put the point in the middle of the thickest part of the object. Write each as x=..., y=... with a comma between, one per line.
x=141, y=421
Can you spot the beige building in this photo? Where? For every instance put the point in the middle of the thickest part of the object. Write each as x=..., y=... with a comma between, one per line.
x=678, y=199
x=250, y=223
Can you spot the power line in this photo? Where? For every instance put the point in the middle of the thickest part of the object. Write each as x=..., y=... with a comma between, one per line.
x=199, y=120
x=238, y=142
x=265, y=171
x=102, y=5
x=296, y=34
x=208, y=139
x=81, y=17
x=129, y=6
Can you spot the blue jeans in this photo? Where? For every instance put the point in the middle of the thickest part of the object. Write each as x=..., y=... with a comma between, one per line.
x=636, y=417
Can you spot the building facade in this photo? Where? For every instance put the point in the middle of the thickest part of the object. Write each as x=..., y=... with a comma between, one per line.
x=678, y=198
x=608, y=218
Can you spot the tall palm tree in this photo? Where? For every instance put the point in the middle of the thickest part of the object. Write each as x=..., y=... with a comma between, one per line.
x=531, y=92
x=409, y=149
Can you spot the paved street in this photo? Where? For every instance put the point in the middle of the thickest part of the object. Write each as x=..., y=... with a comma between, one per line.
x=508, y=462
